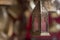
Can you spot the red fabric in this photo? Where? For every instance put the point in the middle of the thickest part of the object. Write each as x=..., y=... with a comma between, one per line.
x=56, y=19
x=28, y=28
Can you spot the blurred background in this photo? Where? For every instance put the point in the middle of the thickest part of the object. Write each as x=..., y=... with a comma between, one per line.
x=29, y=19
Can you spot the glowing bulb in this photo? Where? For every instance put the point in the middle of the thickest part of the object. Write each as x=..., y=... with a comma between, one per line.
x=32, y=4
x=58, y=11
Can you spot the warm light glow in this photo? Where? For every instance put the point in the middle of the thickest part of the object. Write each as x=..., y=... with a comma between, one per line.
x=58, y=1
x=32, y=4
x=58, y=26
x=58, y=11
x=45, y=34
x=52, y=1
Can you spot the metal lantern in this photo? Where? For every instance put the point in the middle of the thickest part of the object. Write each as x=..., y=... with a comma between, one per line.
x=49, y=7
x=36, y=20
x=44, y=19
